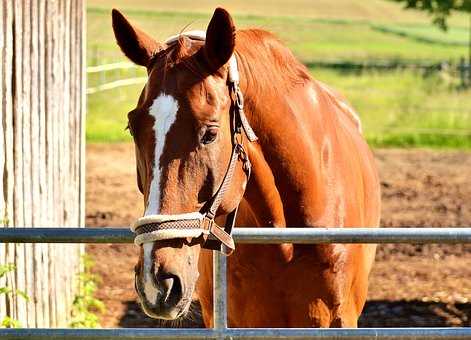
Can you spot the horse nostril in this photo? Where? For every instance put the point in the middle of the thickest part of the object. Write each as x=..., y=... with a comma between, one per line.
x=171, y=288
x=167, y=285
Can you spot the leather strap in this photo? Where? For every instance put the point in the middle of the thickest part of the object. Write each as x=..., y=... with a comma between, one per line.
x=224, y=243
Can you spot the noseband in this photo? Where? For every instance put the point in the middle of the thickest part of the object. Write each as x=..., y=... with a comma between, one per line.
x=153, y=228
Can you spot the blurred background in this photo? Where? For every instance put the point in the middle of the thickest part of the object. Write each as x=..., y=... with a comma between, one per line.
x=406, y=72
x=400, y=72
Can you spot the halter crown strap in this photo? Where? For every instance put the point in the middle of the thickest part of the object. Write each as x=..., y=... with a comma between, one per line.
x=162, y=227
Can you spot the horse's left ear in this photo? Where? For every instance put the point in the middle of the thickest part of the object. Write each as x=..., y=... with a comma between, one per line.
x=135, y=44
x=220, y=39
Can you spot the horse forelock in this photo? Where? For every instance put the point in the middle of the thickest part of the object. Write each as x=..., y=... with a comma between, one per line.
x=178, y=52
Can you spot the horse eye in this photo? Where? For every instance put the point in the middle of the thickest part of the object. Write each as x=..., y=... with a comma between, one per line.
x=210, y=135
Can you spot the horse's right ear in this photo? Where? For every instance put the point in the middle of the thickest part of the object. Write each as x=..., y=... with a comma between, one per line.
x=135, y=44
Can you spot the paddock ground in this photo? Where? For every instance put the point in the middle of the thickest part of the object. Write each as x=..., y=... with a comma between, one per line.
x=410, y=286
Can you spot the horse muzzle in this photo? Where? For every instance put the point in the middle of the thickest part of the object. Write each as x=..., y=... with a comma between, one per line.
x=163, y=295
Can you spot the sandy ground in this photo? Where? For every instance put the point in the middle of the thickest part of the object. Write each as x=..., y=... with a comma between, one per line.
x=410, y=286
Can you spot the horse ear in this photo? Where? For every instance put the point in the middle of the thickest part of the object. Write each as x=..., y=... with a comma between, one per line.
x=134, y=43
x=220, y=39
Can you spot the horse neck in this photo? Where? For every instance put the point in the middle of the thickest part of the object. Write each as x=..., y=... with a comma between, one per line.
x=275, y=186
x=308, y=158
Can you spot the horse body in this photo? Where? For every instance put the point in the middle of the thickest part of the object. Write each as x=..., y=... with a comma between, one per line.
x=310, y=168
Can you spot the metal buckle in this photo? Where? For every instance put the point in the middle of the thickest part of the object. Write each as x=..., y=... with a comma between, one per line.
x=239, y=98
x=207, y=223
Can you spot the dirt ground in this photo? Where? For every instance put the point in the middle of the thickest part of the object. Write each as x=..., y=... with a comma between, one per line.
x=410, y=286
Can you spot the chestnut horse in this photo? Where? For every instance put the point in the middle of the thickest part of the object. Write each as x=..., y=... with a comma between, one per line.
x=311, y=167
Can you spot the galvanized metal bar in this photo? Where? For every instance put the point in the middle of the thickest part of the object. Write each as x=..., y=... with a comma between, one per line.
x=353, y=235
x=260, y=333
x=219, y=291
x=250, y=235
x=66, y=235
x=244, y=235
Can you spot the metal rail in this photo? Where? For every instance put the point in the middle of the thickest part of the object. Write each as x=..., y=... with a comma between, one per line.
x=242, y=235
x=250, y=235
x=259, y=333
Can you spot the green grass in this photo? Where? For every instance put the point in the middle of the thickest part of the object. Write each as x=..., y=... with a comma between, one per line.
x=107, y=114
x=455, y=36
x=400, y=108
x=310, y=38
x=377, y=10
x=404, y=108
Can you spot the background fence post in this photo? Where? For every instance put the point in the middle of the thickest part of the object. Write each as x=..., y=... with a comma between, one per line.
x=462, y=71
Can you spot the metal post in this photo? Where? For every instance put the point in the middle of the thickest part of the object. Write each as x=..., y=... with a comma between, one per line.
x=219, y=292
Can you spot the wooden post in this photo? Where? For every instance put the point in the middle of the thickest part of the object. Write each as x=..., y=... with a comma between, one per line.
x=42, y=77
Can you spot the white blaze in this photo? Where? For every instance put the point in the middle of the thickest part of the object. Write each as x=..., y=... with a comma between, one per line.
x=150, y=290
x=164, y=110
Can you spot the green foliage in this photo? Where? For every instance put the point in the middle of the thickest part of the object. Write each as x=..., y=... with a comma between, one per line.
x=7, y=321
x=85, y=305
x=440, y=10
x=6, y=268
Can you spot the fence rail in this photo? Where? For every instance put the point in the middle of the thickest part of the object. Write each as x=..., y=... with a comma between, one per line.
x=110, y=67
x=250, y=235
x=461, y=70
x=243, y=235
x=252, y=333
x=116, y=84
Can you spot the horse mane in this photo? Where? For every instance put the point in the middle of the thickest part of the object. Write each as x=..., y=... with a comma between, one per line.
x=267, y=64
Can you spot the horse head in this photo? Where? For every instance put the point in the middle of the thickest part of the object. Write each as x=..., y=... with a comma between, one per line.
x=184, y=139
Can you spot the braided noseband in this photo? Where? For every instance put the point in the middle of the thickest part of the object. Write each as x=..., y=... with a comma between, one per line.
x=153, y=228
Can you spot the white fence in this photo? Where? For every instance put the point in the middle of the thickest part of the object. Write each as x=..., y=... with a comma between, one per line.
x=103, y=85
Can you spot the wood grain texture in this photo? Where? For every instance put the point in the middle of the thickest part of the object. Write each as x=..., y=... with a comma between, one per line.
x=2, y=159
x=7, y=127
x=42, y=69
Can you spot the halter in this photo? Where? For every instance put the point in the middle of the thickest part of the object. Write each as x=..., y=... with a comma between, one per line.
x=153, y=228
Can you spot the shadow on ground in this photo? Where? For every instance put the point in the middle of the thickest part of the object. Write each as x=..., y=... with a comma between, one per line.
x=377, y=313
x=134, y=317
x=414, y=313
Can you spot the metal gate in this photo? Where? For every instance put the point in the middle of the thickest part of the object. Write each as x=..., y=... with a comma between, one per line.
x=243, y=235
